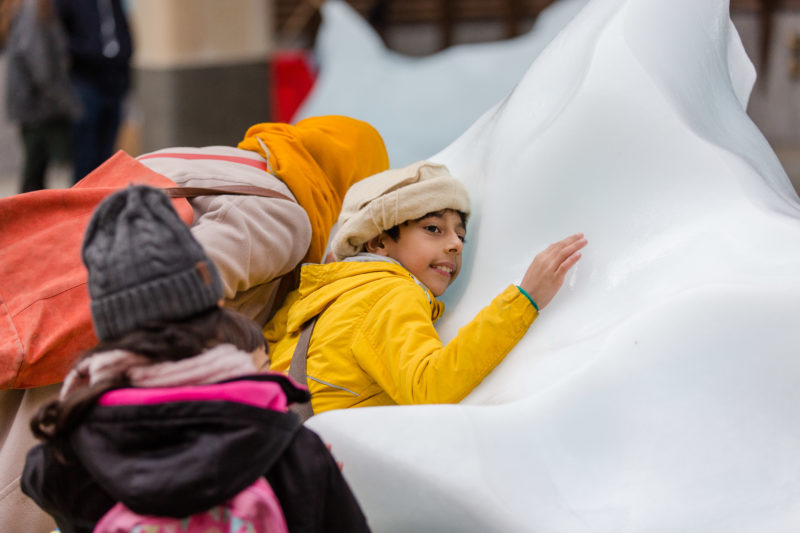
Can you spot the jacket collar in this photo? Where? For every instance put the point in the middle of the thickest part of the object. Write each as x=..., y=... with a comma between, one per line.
x=322, y=284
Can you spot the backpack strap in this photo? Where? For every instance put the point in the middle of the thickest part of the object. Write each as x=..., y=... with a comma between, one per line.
x=236, y=190
x=298, y=368
x=289, y=282
x=260, y=164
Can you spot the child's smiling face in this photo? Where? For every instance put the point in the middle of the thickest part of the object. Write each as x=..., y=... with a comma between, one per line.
x=430, y=248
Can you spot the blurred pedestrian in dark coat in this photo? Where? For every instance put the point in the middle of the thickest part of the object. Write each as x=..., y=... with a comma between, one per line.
x=39, y=95
x=100, y=48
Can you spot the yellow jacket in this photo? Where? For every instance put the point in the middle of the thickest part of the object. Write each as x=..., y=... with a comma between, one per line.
x=375, y=343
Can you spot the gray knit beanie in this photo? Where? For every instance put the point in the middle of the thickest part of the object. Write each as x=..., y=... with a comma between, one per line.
x=144, y=264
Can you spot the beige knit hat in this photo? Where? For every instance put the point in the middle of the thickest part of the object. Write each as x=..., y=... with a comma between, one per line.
x=392, y=197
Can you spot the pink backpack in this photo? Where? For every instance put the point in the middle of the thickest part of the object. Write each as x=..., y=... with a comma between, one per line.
x=254, y=510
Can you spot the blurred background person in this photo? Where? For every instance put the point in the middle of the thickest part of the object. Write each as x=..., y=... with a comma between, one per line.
x=38, y=94
x=6, y=8
x=100, y=48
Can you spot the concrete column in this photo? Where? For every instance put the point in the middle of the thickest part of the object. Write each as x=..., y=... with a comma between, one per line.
x=201, y=69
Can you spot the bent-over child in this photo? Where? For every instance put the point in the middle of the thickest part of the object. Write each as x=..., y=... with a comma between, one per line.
x=167, y=416
x=255, y=243
x=399, y=244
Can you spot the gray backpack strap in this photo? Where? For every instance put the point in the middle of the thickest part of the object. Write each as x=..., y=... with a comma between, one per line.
x=297, y=368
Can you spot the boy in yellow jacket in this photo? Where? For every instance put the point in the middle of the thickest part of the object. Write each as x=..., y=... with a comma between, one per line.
x=399, y=244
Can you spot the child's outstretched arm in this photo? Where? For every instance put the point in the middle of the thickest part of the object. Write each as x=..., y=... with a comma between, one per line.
x=400, y=349
x=546, y=273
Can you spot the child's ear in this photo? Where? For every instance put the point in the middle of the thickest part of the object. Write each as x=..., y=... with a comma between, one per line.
x=376, y=246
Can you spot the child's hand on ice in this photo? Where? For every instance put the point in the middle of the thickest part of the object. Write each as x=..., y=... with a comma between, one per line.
x=548, y=269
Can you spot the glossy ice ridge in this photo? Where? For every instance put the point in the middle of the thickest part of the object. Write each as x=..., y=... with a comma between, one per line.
x=418, y=104
x=659, y=391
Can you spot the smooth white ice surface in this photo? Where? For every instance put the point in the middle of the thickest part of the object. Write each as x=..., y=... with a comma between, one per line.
x=660, y=390
x=418, y=104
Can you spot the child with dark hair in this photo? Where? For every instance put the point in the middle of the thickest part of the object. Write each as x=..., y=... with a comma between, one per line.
x=368, y=318
x=167, y=416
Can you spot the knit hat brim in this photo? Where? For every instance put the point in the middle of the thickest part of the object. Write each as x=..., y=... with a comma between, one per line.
x=173, y=297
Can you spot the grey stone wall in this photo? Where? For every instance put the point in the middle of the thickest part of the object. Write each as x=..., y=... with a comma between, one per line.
x=201, y=106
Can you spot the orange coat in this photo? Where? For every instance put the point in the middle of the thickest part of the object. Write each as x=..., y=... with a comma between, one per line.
x=319, y=159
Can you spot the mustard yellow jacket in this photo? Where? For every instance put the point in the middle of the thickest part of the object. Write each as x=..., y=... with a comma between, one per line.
x=375, y=343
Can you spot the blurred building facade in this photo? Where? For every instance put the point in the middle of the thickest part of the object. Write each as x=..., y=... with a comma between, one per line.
x=202, y=67
x=201, y=74
x=770, y=31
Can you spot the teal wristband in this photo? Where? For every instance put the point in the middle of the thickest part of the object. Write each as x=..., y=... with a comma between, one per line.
x=528, y=296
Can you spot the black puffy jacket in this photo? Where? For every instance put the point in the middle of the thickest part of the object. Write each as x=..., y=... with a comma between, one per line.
x=178, y=458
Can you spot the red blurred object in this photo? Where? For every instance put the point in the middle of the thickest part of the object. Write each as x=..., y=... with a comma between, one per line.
x=292, y=76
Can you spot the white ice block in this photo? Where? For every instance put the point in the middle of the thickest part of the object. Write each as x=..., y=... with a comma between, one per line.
x=418, y=104
x=660, y=390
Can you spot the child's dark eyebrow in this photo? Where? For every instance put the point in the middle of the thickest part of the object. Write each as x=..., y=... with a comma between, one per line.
x=437, y=216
